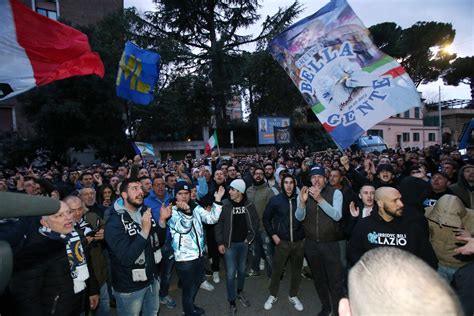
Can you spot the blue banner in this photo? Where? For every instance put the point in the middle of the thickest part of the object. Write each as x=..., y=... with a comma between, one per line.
x=137, y=74
x=144, y=149
x=266, y=134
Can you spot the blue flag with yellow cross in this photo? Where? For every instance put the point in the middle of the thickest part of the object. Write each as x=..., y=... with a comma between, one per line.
x=137, y=74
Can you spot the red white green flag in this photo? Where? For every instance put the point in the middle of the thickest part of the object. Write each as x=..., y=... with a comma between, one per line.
x=211, y=143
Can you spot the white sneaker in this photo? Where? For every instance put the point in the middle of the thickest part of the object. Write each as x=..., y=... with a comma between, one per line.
x=269, y=303
x=207, y=286
x=296, y=303
x=215, y=277
x=262, y=265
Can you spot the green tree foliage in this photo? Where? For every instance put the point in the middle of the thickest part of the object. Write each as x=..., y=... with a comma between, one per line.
x=415, y=47
x=211, y=32
x=462, y=71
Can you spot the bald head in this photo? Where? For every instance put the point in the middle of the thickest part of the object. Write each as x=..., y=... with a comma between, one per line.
x=389, y=201
x=392, y=281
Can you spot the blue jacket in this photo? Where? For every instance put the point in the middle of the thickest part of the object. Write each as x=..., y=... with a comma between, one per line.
x=187, y=233
x=153, y=202
x=125, y=249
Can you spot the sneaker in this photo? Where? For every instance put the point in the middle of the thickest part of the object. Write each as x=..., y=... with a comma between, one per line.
x=232, y=310
x=307, y=275
x=208, y=273
x=215, y=277
x=207, y=286
x=168, y=301
x=296, y=303
x=199, y=311
x=262, y=265
x=269, y=303
x=252, y=273
x=243, y=299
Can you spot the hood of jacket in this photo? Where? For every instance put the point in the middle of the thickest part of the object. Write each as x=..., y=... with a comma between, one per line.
x=449, y=210
x=414, y=191
x=120, y=208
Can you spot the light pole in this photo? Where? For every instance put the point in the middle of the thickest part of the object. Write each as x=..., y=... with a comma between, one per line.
x=439, y=118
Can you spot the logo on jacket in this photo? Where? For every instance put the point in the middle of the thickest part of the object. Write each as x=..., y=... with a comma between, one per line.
x=387, y=239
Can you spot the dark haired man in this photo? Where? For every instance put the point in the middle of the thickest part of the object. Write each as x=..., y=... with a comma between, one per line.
x=135, y=241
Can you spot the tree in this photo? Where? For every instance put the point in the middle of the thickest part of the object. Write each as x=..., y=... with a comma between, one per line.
x=461, y=71
x=415, y=47
x=210, y=30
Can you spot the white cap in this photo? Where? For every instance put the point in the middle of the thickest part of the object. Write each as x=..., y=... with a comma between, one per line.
x=239, y=185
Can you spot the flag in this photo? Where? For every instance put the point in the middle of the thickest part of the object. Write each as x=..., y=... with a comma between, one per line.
x=282, y=135
x=348, y=82
x=137, y=74
x=36, y=50
x=144, y=149
x=211, y=143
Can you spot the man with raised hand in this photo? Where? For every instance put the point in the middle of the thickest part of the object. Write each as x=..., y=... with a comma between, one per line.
x=135, y=241
x=188, y=241
x=320, y=211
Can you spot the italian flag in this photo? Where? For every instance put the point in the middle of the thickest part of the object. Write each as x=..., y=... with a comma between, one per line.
x=36, y=50
x=211, y=143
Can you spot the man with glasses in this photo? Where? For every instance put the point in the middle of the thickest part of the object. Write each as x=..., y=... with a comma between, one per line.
x=259, y=194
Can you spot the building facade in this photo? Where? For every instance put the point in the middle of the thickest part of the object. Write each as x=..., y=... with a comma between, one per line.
x=406, y=130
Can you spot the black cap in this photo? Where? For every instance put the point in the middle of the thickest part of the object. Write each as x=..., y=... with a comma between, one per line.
x=181, y=185
x=385, y=167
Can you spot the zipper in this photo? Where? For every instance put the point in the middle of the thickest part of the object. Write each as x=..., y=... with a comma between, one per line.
x=197, y=239
x=231, y=218
x=179, y=245
x=317, y=222
x=291, y=222
x=250, y=221
x=55, y=303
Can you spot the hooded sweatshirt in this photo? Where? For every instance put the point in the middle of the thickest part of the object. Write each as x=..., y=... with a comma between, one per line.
x=463, y=190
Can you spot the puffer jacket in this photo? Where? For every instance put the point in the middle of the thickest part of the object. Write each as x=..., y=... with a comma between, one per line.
x=448, y=214
x=187, y=234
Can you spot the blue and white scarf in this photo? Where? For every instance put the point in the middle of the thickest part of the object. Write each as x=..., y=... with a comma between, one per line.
x=75, y=255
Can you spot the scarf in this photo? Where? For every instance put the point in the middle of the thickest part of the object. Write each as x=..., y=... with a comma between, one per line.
x=133, y=228
x=75, y=255
x=84, y=226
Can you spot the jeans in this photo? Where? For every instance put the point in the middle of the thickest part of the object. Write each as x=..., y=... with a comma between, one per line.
x=103, y=309
x=324, y=260
x=190, y=274
x=167, y=265
x=446, y=272
x=235, y=258
x=262, y=247
x=293, y=251
x=145, y=300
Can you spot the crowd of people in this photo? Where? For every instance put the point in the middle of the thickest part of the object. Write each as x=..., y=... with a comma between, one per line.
x=122, y=228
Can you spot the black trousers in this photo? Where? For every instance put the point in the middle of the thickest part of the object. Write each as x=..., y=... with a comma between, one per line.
x=325, y=263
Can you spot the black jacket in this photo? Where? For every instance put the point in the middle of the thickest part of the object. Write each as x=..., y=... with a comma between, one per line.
x=125, y=249
x=41, y=283
x=223, y=228
x=404, y=233
x=279, y=218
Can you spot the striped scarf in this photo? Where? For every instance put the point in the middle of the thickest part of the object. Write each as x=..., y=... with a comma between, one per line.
x=75, y=255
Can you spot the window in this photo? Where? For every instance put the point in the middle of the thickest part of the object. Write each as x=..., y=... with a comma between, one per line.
x=417, y=112
x=375, y=132
x=406, y=137
x=431, y=137
x=406, y=114
x=416, y=137
x=48, y=13
x=398, y=115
